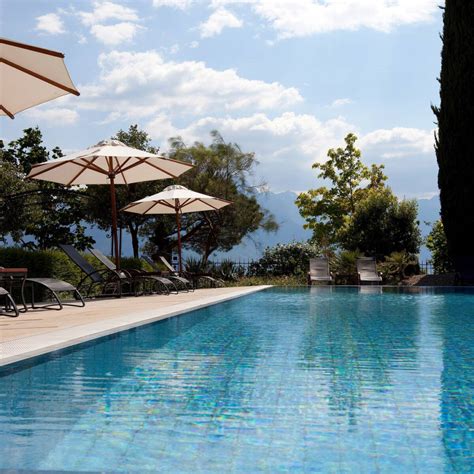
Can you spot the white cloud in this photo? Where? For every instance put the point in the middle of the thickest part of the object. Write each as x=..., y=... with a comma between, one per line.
x=285, y=145
x=298, y=18
x=81, y=39
x=142, y=84
x=50, y=23
x=219, y=19
x=340, y=102
x=104, y=11
x=174, y=48
x=57, y=116
x=194, y=44
x=112, y=35
x=111, y=23
x=398, y=142
x=179, y=4
x=288, y=144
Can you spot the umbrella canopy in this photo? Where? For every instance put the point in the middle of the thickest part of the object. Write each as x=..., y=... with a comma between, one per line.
x=30, y=76
x=109, y=162
x=109, y=158
x=176, y=200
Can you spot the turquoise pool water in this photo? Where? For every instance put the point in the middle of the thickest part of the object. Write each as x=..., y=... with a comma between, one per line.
x=293, y=380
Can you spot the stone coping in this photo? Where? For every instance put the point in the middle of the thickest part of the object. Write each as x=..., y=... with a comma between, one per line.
x=38, y=332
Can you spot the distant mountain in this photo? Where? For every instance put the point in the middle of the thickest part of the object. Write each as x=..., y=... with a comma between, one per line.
x=428, y=213
x=282, y=206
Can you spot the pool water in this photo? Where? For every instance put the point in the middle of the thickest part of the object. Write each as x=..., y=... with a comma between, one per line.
x=300, y=380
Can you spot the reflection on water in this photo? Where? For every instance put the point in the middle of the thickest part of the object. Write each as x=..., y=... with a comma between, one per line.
x=326, y=379
x=455, y=322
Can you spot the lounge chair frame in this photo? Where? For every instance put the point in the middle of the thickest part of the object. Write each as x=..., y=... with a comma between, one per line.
x=139, y=276
x=111, y=282
x=181, y=283
x=53, y=286
x=194, y=277
x=319, y=271
x=9, y=303
x=367, y=271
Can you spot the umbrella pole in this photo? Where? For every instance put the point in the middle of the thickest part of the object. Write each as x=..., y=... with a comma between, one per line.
x=178, y=223
x=113, y=203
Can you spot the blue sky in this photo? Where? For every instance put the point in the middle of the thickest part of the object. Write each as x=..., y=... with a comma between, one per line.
x=286, y=79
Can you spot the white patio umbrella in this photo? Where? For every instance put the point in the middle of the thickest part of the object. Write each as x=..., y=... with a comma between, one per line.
x=30, y=76
x=176, y=200
x=109, y=162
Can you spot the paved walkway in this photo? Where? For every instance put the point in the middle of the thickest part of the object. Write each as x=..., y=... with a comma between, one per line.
x=41, y=331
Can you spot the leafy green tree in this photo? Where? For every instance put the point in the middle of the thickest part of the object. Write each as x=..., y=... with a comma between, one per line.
x=326, y=208
x=47, y=212
x=13, y=212
x=455, y=129
x=100, y=214
x=222, y=170
x=381, y=225
x=438, y=246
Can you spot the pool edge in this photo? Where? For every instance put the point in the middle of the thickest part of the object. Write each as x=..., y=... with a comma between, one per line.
x=34, y=346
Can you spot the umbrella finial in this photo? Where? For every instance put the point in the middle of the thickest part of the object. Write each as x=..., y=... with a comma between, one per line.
x=108, y=143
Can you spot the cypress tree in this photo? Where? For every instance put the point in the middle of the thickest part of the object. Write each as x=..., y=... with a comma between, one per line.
x=454, y=141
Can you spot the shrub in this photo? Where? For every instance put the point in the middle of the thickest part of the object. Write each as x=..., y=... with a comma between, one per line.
x=195, y=265
x=41, y=263
x=344, y=265
x=55, y=263
x=285, y=259
x=398, y=265
x=381, y=225
x=438, y=246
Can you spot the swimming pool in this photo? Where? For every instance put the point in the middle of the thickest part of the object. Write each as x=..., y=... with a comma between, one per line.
x=301, y=380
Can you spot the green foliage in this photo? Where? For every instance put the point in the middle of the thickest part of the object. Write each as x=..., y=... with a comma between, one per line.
x=228, y=270
x=133, y=263
x=48, y=212
x=286, y=259
x=381, y=225
x=397, y=265
x=41, y=263
x=455, y=118
x=195, y=265
x=222, y=170
x=438, y=246
x=285, y=280
x=326, y=208
x=344, y=263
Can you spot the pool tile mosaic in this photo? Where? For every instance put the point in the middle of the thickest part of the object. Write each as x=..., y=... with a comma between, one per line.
x=286, y=380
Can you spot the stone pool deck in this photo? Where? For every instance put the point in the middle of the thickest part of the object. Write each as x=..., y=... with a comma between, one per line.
x=41, y=331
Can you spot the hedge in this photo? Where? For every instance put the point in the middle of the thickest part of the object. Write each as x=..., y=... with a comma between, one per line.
x=55, y=263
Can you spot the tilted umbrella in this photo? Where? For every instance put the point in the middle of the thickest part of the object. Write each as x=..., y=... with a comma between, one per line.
x=109, y=162
x=176, y=200
x=30, y=76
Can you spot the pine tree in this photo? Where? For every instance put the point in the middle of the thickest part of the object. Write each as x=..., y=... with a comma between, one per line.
x=454, y=141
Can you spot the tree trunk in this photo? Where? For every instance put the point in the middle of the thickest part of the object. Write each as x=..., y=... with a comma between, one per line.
x=133, y=229
x=456, y=130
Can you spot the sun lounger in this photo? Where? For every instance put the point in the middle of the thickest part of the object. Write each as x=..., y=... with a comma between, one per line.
x=193, y=276
x=367, y=271
x=52, y=287
x=181, y=282
x=9, y=302
x=111, y=282
x=165, y=284
x=319, y=271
